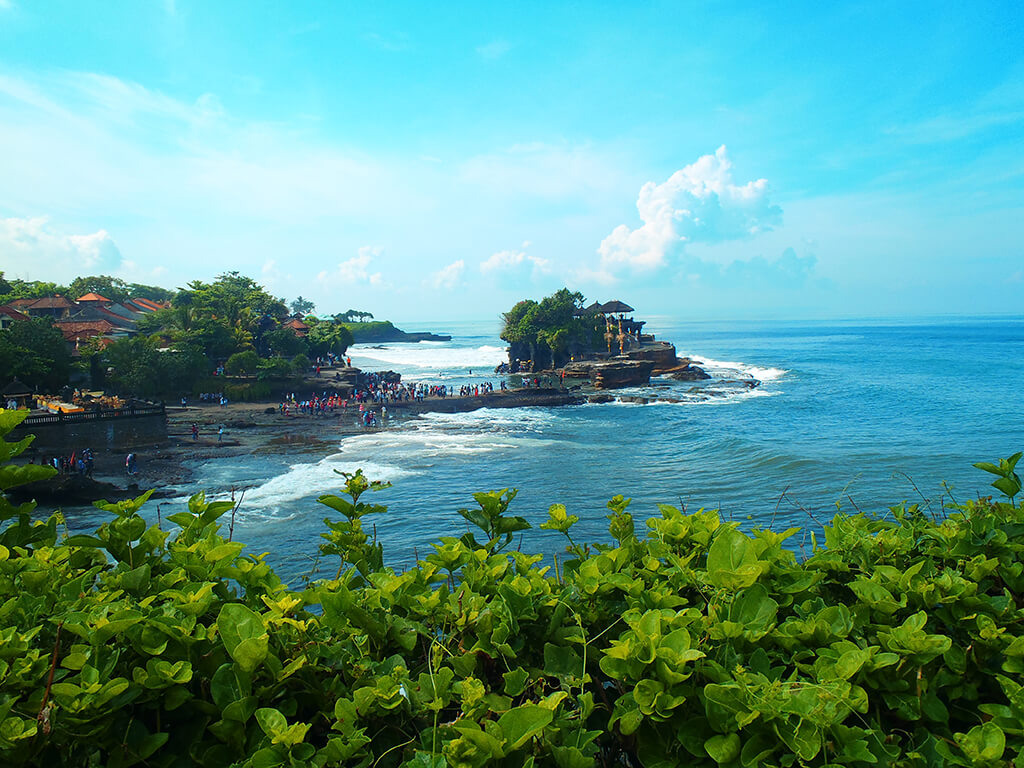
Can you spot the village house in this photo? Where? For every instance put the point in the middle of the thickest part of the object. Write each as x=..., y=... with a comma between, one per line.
x=88, y=317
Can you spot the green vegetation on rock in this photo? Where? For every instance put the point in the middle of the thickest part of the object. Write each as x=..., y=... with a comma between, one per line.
x=550, y=332
x=898, y=642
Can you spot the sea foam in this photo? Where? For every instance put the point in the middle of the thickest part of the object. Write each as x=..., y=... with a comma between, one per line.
x=432, y=355
x=724, y=368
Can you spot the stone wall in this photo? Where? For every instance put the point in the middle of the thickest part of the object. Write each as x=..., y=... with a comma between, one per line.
x=99, y=432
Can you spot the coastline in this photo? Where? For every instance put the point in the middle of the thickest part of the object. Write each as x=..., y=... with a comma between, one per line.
x=261, y=428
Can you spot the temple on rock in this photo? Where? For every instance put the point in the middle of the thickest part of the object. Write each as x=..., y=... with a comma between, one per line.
x=621, y=332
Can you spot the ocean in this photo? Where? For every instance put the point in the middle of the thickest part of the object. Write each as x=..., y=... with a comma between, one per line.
x=853, y=415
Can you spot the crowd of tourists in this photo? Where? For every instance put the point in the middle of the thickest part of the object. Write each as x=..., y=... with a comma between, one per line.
x=209, y=397
x=78, y=463
x=372, y=398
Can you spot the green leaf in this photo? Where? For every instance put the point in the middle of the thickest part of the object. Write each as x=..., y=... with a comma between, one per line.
x=558, y=519
x=244, y=635
x=522, y=723
x=991, y=468
x=732, y=560
x=723, y=748
x=271, y=721
x=1009, y=486
x=983, y=742
x=425, y=760
x=515, y=681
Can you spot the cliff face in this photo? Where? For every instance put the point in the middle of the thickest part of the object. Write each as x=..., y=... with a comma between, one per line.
x=661, y=353
x=622, y=373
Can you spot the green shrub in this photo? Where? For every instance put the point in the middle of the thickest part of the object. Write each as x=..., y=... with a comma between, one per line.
x=897, y=642
x=247, y=393
x=242, y=362
x=274, y=368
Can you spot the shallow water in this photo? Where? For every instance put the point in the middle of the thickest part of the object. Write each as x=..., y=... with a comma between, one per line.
x=849, y=413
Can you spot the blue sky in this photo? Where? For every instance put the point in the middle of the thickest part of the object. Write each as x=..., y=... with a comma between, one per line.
x=705, y=159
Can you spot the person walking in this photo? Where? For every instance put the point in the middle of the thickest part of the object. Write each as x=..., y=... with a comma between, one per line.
x=195, y=432
x=220, y=434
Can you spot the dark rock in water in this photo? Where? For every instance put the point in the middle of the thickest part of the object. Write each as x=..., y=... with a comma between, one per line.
x=600, y=399
x=622, y=373
x=690, y=373
x=415, y=337
x=72, y=490
x=635, y=399
x=270, y=410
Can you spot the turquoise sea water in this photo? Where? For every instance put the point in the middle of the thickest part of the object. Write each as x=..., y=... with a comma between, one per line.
x=854, y=412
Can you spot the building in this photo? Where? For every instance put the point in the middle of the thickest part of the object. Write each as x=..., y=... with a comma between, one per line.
x=9, y=316
x=297, y=326
x=53, y=307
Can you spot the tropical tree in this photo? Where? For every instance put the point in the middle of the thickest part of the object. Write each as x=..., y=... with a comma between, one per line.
x=353, y=316
x=326, y=336
x=283, y=342
x=139, y=366
x=302, y=306
x=549, y=331
x=116, y=289
x=34, y=352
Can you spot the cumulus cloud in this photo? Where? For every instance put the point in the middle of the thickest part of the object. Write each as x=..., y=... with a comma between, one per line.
x=53, y=255
x=515, y=263
x=356, y=270
x=697, y=204
x=447, y=277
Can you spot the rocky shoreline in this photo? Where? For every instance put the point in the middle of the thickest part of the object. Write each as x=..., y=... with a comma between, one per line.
x=252, y=428
x=238, y=429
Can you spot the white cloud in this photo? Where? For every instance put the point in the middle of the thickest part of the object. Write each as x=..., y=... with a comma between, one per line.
x=514, y=262
x=356, y=270
x=52, y=255
x=697, y=204
x=448, y=277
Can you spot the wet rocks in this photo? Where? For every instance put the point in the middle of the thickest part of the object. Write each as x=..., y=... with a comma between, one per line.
x=71, y=490
x=689, y=372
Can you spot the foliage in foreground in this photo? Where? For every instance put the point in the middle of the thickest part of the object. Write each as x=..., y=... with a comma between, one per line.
x=898, y=642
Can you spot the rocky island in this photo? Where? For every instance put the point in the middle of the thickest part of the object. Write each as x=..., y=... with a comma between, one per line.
x=600, y=344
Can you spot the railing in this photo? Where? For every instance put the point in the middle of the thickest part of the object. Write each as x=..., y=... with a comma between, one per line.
x=85, y=416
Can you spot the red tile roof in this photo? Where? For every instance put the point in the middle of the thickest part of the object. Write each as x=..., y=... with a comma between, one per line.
x=152, y=305
x=12, y=313
x=92, y=297
x=83, y=329
x=51, y=302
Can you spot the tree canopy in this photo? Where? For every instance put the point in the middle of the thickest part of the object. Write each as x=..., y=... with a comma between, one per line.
x=116, y=289
x=34, y=352
x=548, y=332
x=302, y=306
